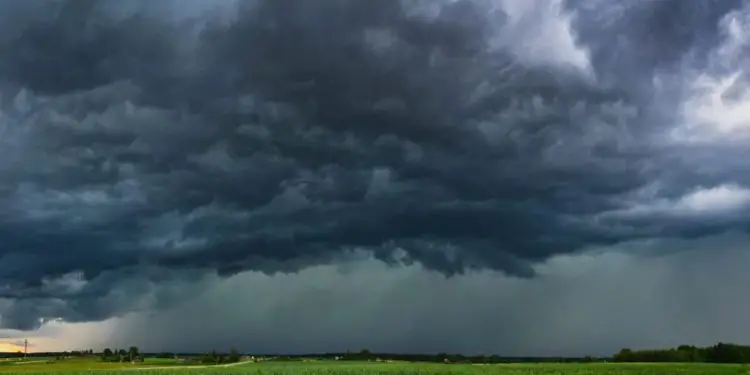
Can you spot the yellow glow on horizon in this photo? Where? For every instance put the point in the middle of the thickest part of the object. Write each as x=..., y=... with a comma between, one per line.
x=9, y=348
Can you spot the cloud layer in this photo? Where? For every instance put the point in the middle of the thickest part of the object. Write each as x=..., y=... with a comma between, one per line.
x=582, y=304
x=146, y=147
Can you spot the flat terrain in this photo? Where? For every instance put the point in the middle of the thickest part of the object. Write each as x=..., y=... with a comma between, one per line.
x=162, y=367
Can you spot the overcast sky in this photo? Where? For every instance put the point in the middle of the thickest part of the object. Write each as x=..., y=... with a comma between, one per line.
x=510, y=177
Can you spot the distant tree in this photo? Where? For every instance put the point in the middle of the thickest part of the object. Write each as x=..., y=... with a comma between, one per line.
x=212, y=357
x=728, y=353
x=169, y=355
x=122, y=355
x=719, y=353
x=234, y=355
x=625, y=355
x=133, y=353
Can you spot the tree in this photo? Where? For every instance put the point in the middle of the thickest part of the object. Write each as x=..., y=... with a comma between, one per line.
x=719, y=353
x=122, y=354
x=234, y=355
x=107, y=352
x=133, y=353
x=625, y=355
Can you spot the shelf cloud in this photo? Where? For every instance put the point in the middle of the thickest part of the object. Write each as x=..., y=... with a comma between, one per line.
x=149, y=148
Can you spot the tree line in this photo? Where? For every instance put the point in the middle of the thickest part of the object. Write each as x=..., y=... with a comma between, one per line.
x=216, y=358
x=121, y=355
x=719, y=353
x=134, y=354
x=453, y=358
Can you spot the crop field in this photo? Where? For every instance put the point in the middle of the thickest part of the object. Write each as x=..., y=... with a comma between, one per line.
x=368, y=368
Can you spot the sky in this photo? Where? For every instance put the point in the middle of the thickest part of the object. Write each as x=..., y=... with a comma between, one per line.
x=513, y=177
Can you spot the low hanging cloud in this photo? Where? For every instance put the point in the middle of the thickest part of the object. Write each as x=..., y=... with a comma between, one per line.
x=150, y=146
x=580, y=304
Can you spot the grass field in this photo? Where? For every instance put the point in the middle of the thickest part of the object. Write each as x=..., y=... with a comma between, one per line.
x=166, y=367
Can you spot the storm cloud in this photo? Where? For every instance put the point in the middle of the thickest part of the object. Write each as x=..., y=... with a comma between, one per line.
x=577, y=305
x=148, y=147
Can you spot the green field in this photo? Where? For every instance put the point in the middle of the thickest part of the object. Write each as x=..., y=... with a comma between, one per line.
x=73, y=367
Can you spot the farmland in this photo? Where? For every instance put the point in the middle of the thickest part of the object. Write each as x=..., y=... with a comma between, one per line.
x=161, y=367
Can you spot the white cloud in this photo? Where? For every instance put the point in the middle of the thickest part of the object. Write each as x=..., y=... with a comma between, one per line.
x=717, y=107
x=718, y=200
x=711, y=114
x=539, y=31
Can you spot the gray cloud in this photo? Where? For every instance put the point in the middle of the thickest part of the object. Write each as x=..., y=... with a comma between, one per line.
x=582, y=304
x=270, y=136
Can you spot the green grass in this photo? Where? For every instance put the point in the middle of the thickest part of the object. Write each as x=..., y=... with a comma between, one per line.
x=71, y=366
x=76, y=367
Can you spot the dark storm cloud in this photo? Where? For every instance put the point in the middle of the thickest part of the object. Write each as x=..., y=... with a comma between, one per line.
x=280, y=135
x=582, y=304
